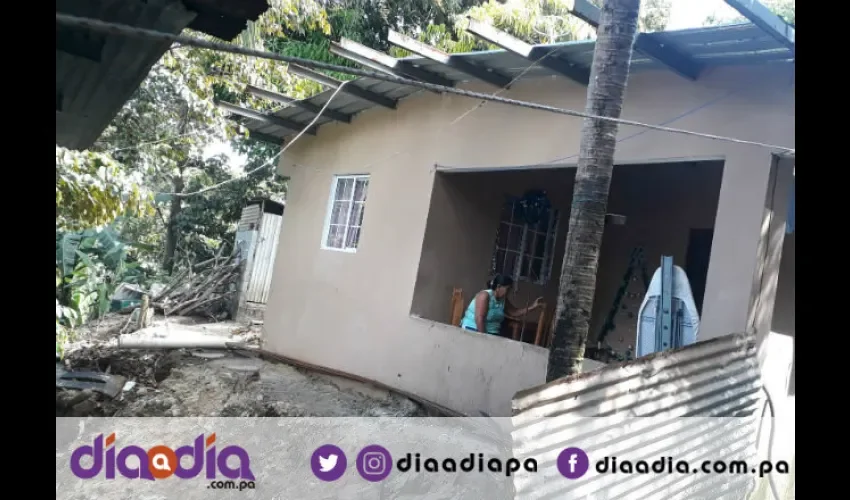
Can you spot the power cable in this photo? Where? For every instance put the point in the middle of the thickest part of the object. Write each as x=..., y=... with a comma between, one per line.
x=175, y=137
x=289, y=104
x=148, y=143
x=124, y=30
x=271, y=160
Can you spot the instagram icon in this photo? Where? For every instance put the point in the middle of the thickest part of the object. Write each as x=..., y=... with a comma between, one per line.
x=374, y=463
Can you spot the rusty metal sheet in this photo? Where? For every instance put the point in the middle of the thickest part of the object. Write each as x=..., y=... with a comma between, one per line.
x=111, y=385
x=262, y=266
x=714, y=378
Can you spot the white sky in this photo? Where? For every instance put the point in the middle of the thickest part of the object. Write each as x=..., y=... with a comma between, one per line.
x=237, y=161
x=691, y=13
x=684, y=14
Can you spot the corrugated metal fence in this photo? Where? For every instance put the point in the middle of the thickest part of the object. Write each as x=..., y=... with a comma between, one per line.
x=262, y=265
x=596, y=411
x=250, y=218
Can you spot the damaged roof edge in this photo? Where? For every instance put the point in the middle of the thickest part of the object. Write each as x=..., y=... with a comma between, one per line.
x=733, y=44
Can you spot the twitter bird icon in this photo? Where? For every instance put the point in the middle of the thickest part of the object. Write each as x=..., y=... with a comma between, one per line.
x=328, y=462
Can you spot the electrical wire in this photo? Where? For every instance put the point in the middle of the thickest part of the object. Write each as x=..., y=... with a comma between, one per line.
x=175, y=137
x=148, y=143
x=124, y=30
x=463, y=115
x=666, y=122
x=271, y=160
x=506, y=87
x=768, y=405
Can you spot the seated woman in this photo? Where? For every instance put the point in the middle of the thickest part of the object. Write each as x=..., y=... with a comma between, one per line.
x=489, y=308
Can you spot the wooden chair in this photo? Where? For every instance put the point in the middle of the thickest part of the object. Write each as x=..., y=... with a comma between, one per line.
x=457, y=306
x=541, y=327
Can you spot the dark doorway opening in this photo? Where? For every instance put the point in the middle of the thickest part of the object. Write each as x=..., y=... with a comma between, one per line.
x=696, y=262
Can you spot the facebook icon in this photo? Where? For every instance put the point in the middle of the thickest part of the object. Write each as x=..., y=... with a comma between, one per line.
x=573, y=463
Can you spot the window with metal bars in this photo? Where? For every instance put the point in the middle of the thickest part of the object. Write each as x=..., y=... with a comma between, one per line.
x=345, y=213
x=525, y=251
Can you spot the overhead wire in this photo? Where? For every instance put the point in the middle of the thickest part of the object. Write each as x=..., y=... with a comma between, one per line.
x=148, y=143
x=470, y=110
x=124, y=30
x=270, y=160
x=274, y=110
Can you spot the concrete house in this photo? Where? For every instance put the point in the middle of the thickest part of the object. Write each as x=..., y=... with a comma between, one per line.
x=400, y=205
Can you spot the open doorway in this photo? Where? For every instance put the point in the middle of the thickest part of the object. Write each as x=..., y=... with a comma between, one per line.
x=696, y=262
x=473, y=231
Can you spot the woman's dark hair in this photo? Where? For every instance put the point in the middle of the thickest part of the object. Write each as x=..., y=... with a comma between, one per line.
x=500, y=280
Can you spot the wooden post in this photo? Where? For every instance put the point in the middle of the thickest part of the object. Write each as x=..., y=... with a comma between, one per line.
x=541, y=326
x=457, y=306
x=144, y=313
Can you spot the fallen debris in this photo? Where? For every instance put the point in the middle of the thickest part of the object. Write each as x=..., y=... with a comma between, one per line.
x=126, y=297
x=214, y=382
x=204, y=290
x=110, y=385
x=179, y=339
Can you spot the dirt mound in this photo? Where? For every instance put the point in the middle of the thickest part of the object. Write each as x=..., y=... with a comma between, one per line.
x=179, y=383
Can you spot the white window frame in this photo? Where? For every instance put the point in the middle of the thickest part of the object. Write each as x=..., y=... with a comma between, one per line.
x=551, y=235
x=331, y=200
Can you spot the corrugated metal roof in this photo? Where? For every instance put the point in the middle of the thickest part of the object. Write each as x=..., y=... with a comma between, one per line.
x=91, y=87
x=597, y=412
x=712, y=46
x=250, y=218
x=262, y=265
x=96, y=73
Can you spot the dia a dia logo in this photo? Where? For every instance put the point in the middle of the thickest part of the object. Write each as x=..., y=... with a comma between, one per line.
x=160, y=462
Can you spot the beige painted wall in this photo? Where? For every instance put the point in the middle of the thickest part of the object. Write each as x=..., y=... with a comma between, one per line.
x=662, y=202
x=779, y=366
x=351, y=311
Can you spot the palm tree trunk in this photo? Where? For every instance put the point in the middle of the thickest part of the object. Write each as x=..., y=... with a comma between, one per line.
x=610, y=70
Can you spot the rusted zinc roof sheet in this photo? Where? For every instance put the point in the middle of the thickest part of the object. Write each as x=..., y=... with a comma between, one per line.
x=598, y=411
x=96, y=73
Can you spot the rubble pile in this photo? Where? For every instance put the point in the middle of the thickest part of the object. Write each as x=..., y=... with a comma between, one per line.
x=204, y=290
x=213, y=382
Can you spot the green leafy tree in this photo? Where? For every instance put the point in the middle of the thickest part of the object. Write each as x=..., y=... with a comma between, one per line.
x=786, y=9
x=208, y=222
x=92, y=189
x=654, y=15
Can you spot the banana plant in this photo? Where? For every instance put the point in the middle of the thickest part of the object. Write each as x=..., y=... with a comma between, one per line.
x=90, y=264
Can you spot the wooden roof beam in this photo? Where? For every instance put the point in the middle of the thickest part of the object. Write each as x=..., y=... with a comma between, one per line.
x=378, y=61
x=769, y=22
x=530, y=52
x=350, y=89
x=306, y=106
x=265, y=118
x=428, y=52
x=645, y=43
